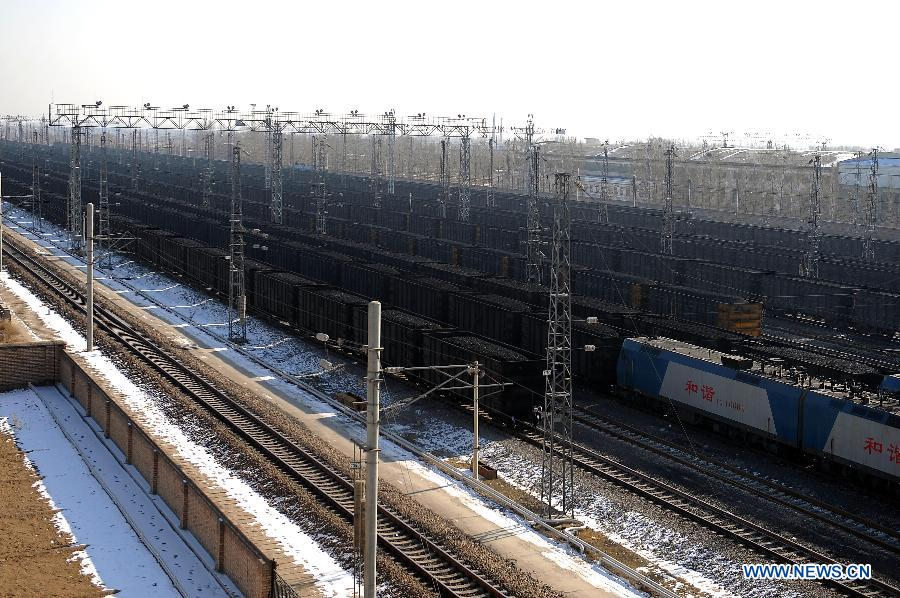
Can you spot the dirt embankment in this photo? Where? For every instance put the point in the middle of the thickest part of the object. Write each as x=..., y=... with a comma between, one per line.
x=36, y=559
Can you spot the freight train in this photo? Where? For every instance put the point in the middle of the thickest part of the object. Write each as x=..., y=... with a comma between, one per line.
x=764, y=402
x=713, y=261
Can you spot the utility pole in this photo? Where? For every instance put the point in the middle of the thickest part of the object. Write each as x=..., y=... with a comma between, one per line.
x=453, y=373
x=89, y=269
x=871, y=210
x=557, y=471
x=668, y=228
x=373, y=417
x=464, y=178
x=444, y=198
x=810, y=265
x=476, y=448
x=237, y=298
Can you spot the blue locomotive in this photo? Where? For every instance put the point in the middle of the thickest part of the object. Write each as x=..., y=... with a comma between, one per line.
x=821, y=420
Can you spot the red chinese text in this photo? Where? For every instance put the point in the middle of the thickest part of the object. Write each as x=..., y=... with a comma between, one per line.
x=691, y=386
x=873, y=446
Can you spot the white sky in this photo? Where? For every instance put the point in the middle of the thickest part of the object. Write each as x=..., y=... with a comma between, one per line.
x=606, y=69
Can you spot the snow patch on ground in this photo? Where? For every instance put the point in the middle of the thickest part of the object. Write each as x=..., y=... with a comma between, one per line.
x=330, y=577
x=88, y=515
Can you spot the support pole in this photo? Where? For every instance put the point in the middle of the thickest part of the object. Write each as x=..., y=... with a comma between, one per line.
x=373, y=382
x=103, y=223
x=89, y=269
x=465, y=179
x=445, y=178
x=276, y=159
x=490, y=192
x=668, y=229
x=321, y=201
x=208, y=141
x=392, y=138
x=534, y=265
x=475, y=446
x=809, y=267
x=871, y=210
x=237, y=298
x=557, y=471
x=75, y=207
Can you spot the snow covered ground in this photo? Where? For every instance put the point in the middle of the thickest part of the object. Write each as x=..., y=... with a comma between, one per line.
x=99, y=511
x=203, y=320
x=331, y=578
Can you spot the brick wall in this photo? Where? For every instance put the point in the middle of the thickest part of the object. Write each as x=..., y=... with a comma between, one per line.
x=234, y=554
x=29, y=363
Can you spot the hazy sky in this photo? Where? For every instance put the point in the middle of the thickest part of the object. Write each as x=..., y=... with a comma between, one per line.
x=606, y=69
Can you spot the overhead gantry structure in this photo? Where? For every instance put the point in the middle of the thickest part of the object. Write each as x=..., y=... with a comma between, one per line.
x=275, y=124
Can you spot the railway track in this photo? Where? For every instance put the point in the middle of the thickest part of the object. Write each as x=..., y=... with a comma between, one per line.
x=723, y=522
x=847, y=522
x=879, y=357
x=421, y=554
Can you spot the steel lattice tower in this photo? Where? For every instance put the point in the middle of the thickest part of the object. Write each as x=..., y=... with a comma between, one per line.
x=854, y=197
x=134, y=159
x=391, y=163
x=649, y=171
x=444, y=197
x=465, y=197
x=871, y=210
x=321, y=201
x=668, y=226
x=237, y=298
x=375, y=181
x=557, y=470
x=103, y=232
x=604, y=174
x=36, y=205
x=208, y=141
x=534, y=265
x=603, y=211
x=74, y=217
x=277, y=157
x=269, y=152
x=490, y=189
x=810, y=264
